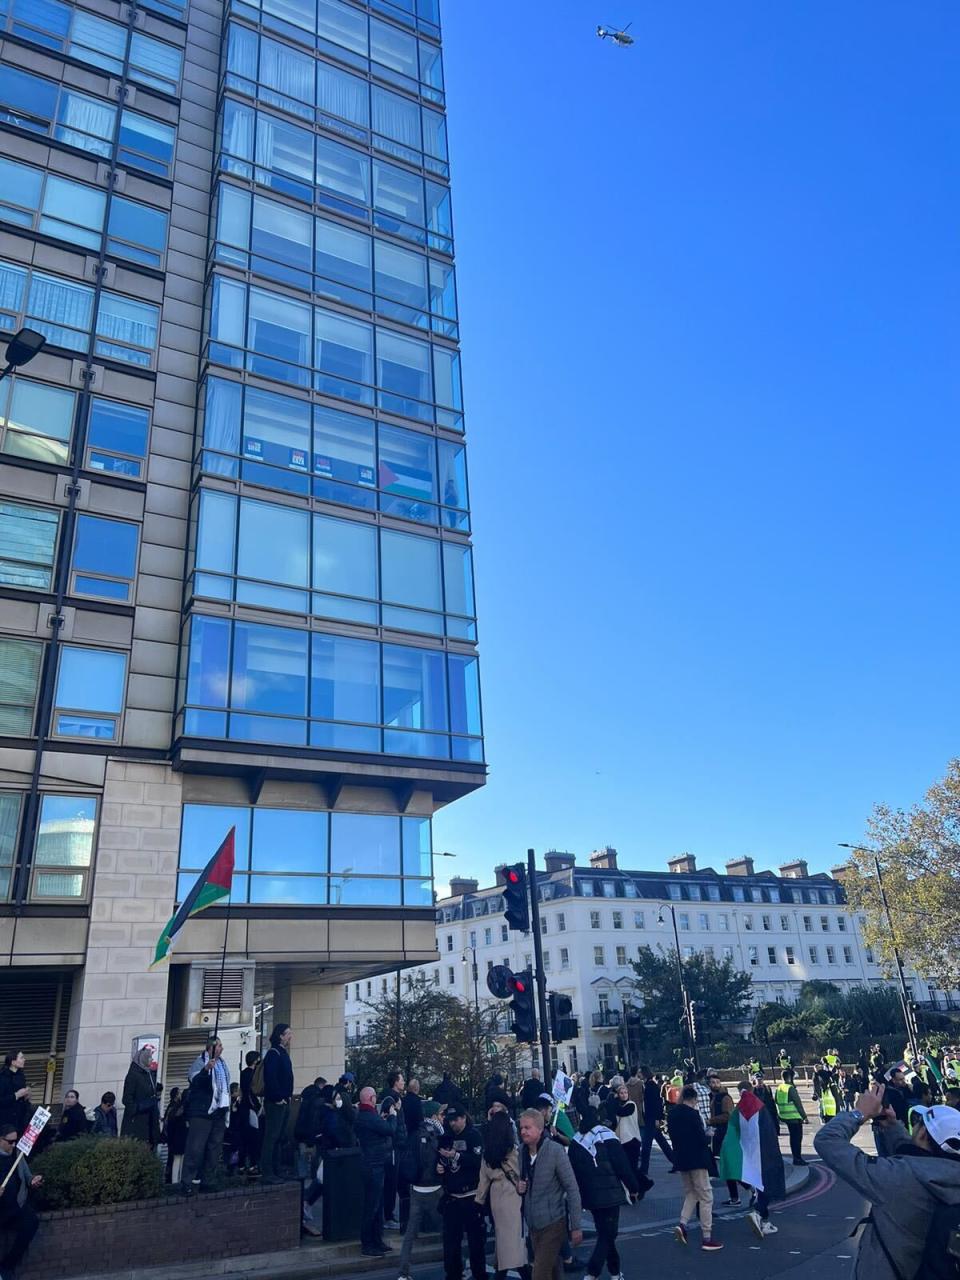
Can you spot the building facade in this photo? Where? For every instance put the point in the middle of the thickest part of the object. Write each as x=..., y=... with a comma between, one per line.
x=236, y=583
x=781, y=929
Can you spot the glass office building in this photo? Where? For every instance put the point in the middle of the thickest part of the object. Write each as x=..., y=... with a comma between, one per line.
x=235, y=558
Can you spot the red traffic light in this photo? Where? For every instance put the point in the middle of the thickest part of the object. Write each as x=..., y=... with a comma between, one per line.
x=518, y=985
x=513, y=877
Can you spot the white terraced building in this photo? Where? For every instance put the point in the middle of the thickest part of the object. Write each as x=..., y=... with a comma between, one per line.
x=783, y=929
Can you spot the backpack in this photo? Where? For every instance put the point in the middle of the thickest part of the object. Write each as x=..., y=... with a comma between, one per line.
x=256, y=1082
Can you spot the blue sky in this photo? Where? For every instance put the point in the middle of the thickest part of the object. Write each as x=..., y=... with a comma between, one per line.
x=709, y=293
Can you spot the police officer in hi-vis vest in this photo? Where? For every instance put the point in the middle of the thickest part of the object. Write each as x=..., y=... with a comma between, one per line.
x=791, y=1112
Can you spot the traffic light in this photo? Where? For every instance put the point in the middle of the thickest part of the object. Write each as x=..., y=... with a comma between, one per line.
x=523, y=1006
x=516, y=905
x=562, y=1025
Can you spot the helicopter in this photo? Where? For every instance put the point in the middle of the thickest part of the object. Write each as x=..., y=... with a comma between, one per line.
x=619, y=37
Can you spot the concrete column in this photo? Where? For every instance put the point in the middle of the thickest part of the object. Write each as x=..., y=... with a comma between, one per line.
x=316, y=1020
x=118, y=997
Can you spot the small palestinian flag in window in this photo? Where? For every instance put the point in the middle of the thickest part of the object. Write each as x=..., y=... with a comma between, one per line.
x=212, y=885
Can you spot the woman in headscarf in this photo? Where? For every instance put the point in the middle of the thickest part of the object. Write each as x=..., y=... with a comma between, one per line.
x=141, y=1110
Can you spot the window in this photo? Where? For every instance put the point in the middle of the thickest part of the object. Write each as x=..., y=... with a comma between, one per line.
x=825, y=924
x=831, y=955
x=594, y=919
x=473, y=939
x=585, y=888
x=693, y=892
x=561, y=922
x=808, y=924
x=771, y=955
x=116, y=437
x=146, y=143
x=19, y=676
x=598, y=957
x=791, y=956
x=703, y=922
x=727, y=953
x=748, y=923
x=767, y=923
x=10, y=803
x=618, y=919
x=28, y=539
x=104, y=558
x=564, y=958
x=784, y=924
x=756, y=895
x=673, y=892
x=622, y=957
x=370, y=987
x=723, y=922
x=487, y=937
x=64, y=848
x=639, y=921
x=753, y=955
x=451, y=977
x=504, y=933
x=36, y=420
x=848, y=955
x=708, y=952
x=868, y=953
x=713, y=892
x=814, y=955
x=546, y=959
x=737, y=893
x=449, y=941
x=683, y=921
x=688, y=953
x=527, y=960
x=48, y=108
x=842, y=924
x=773, y=894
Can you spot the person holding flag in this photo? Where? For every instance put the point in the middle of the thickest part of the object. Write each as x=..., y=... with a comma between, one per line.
x=751, y=1155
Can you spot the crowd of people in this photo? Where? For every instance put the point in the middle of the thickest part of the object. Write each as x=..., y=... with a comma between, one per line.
x=537, y=1157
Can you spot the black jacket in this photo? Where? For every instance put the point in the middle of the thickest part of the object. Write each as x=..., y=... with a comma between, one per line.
x=424, y=1145
x=602, y=1184
x=688, y=1139
x=462, y=1174
x=375, y=1135
x=412, y=1112
x=73, y=1123
x=308, y=1116
x=652, y=1103
x=531, y=1091
x=400, y=1128
x=13, y=1110
x=447, y=1091
x=277, y=1075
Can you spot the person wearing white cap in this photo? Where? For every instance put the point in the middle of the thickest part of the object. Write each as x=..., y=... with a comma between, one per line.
x=906, y=1189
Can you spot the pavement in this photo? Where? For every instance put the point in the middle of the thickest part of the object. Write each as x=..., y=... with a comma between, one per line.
x=812, y=1241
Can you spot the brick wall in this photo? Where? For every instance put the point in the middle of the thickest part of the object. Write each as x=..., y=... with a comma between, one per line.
x=145, y=1233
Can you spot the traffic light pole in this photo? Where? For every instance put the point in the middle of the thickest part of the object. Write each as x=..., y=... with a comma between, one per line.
x=541, y=977
x=904, y=996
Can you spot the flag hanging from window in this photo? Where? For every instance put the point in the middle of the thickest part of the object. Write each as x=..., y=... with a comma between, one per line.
x=211, y=886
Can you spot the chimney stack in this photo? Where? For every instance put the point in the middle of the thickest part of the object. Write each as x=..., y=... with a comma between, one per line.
x=604, y=859
x=740, y=867
x=843, y=872
x=459, y=885
x=558, y=860
x=795, y=870
x=686, y=862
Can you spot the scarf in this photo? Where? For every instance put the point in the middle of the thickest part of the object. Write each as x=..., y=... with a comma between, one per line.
x=599, y=1133
x=366, y=1106
x=220, y=1083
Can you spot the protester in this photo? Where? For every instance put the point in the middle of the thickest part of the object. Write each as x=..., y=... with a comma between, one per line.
x=207, y=1111
x=606, y=1175
x=721, y=1109
x=334, y=1120
x=495, y=1091
x=635, y=1090
x=550, y=1196
x=424, y=1180
x=174, y=1132
x=704, y=1102
x=412, y=1106
x=694, y=1159
x=626, y=1124
x=459, y=1158
x=105, y=1116
x=250, y=1133
x=532, y=1088
x=277, y=1092
x=15, y=1106
x=447, y=1092
x=73, y=1118
x=375, y=1135
x=231, y=1137
x=141, y=1111
x=791, y=1111
x=393, y=1098
x=16, y=1216
x=910, y=1191
x=751, y=1155
x=652, y=1122
x=499, y=1181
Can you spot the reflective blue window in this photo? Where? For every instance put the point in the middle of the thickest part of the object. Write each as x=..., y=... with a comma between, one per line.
x=281, y=241
x=396, y=124
x=403, y=374
x=417, y=855
x=203, y=829
x=343, y=356
x=37, y=420
x=289, y=841
x=343, y=176
x=411, y=571
x=345, y=565
x=342, y=26
x=127, y=330
x=343, y=256
x=104, y=558
x=278, y=336
x=89, y=695
x=398, y=200
x=408, y=475
x=28, y=538
x=453, y=484
x=364, y=844
x=343, y=100
x=273, y=547
x=145, y=143
x=464, y=694
x=208, y=676
x=414, y=688
x=345, y=688
x=276, y=431
x=284, y=155
x=137, y=231
x=344, y=457
x=269, y=675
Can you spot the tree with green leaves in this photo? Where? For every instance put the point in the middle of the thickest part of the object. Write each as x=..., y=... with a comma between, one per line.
x=919, y=854
x=721, y=991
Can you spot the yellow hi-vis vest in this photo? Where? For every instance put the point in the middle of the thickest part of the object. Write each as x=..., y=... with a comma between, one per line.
x=832, y=1060
x=828, y=1104
x=786, y=1108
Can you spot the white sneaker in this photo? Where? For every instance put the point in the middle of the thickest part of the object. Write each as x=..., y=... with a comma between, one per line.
x=404, y=1277
x=767, y=1228
x=392, y=1225
x=756, y=1222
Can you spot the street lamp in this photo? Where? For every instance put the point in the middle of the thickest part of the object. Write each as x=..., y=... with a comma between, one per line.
x=21, y=349
x=687, y=1020
x=904, y=997
x=476, y=994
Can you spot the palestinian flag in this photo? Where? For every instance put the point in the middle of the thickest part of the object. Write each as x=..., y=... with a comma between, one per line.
x=561, y=1122
x=212, y=884
x=933, y=1067
x=750, y=1151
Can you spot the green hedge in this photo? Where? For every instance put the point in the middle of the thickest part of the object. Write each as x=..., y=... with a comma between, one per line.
x=89, y=1171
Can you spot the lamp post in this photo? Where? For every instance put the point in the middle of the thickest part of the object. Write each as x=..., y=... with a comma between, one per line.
x=21, y=349
x=904, y=996
x=683, y=986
